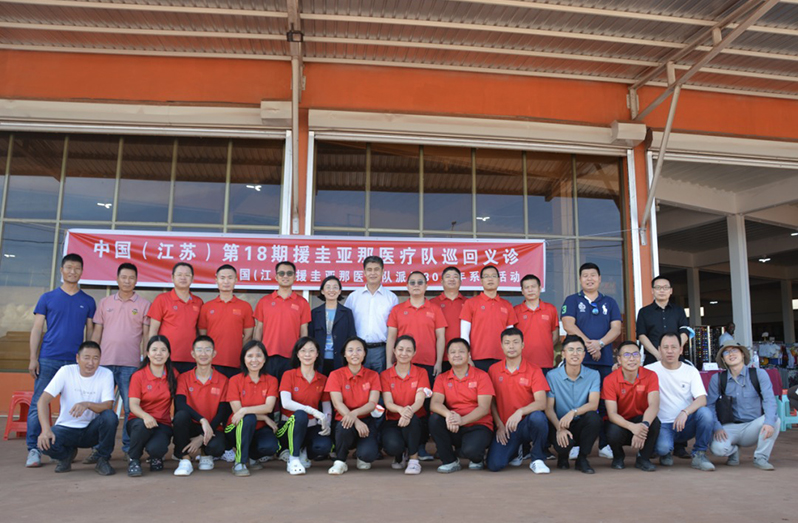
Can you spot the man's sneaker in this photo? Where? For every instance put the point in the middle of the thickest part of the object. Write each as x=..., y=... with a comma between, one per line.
x=400, y=463
x=618, y=464
x=63, y=465
x=562, y=462
x=34, y=459
x=701, y=462
x=363, y=465
x=474, y=465
x=338, y=468
x=303, y=458
x=240, y=470
x=134, y=468
x=763, y=464
x=206, y=463
x=255, y=464
x=680, y=451
x=539, y=467
x=413, y=467
x=92, y=458
x=583, y=465
x=104, y=468
x=734, y=459
x=423, y=455
x=229, y=455
x=666, y=460
x=448, y=468
x=644, y=464
x=574, y=453
x=185, y=468
x=156, y=464
x=605, y=452
x=519, y=459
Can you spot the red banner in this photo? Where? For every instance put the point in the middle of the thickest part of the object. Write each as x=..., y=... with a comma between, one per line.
x=316, y=257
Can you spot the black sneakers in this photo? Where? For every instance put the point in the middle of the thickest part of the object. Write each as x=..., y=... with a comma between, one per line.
x=104, y=468
x=156, y=464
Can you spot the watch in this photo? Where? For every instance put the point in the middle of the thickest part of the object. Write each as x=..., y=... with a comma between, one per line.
x=601, y=343
x=647, y=424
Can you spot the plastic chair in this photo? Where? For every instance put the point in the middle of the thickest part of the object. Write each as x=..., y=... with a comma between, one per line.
x=21, y=398
x=788, y=416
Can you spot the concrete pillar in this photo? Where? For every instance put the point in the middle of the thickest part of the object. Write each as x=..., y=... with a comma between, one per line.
x=787, y=314
x=694, y=296
x=741, y=290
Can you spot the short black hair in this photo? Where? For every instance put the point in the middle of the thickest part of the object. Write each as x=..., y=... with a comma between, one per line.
x=183, y=264
x=226, y=267
x=324, y=282
x=373, y=259
x=671, y=334
x=529, y=277
x=285, y=262
x=660, y=277
x=126, y=266
x=89, y=345
x=571, y=338
x=623, y=344
x=587, y=266
x=253, y=344
x=486, y=267
x=512, y=331
x=203, y=337
x=351, y=339
x=458, y=340
x=407, y=337
x=451, y=268
x=301, y=342
x=72, y=257
x=417, y=272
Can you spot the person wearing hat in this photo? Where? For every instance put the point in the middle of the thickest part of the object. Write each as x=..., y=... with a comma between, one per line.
x=753, y=405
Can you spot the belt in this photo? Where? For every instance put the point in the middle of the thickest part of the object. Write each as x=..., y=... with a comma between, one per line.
x=372, y=345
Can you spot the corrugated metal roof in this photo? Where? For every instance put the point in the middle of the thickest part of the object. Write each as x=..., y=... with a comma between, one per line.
x=733, y=178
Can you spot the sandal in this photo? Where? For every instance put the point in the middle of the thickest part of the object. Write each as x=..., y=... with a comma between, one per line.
x=295, y=468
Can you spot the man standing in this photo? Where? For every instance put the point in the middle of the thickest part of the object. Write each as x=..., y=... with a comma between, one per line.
x=728, y=335
x=538, y=321
x=631, y=394
x=682, y=407
x=371, y=305
x=483, y=319
x=518, y=407
x=596, y=319
x=571, y=406
x=281, y=318
x=86, y=419
x=174, y=314
x=121, y=325
x=68, y=313
x=755, y=421
x=451, y=302
x=659, y=317
x=228, y=321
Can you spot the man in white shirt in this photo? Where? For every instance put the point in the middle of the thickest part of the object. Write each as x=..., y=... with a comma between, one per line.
x=682, y=407
x=86, y=419
x=371, y=306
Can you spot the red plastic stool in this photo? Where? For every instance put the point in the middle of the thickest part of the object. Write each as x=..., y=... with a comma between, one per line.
x=20, y=425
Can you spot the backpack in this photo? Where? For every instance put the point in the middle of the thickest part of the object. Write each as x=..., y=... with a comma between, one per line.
x=724, y=406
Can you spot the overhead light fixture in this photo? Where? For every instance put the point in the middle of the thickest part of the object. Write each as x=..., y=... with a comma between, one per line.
x=713, y=302
x=794, y=234
x=106, y=205
x=255, y=187
x=764, y=260
x=483, y=218
x=9, y=255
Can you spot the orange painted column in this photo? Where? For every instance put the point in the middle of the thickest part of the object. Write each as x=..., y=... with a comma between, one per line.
x=641, y=184
x=303, y=167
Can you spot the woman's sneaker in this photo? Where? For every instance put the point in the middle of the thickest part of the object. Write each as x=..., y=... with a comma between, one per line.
x=338, y=468
x=448, y=468
x=413, y=467
x=206, y=463
x=156, y=464
x=185, y=468
x=240, y=470
x=134, y=468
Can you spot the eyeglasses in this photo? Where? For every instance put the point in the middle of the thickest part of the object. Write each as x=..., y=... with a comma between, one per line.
x=203, y=350
x=574, y=350
x=285, y=273
x=662, y=288
x=490, y=276
x=416, y=282
x=630, y=355
x=729, y=352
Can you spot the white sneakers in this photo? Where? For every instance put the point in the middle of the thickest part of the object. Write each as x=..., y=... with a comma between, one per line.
x=303, y=458
x=295, y=467
x=413, y=467
x=338, y=468
x=185, y=468
x=229, y=455
x=363, y=465
x=539, y=467
x=399, y=465
x=605, y=452
x=574, y=453
x=205, y=463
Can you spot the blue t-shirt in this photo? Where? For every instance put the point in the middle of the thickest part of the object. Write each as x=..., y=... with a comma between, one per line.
x=594, y=320
x=66, y=322
x=571, y=394
x=329, y=351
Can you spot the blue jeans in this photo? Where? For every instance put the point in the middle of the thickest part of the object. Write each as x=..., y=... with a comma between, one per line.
x=122, y=374
x=533, y=429
x=47, y=369
x=99, y=434
x=699, y=426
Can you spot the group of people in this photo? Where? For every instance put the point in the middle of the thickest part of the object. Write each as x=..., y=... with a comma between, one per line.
x=477, y=376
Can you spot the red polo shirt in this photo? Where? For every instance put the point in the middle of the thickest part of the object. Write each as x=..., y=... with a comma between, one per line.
x=515, y=390
x=451, y=311
x=420, y=323
x=281, y=318
x=537, y=326
x=632, y=398
x=488, y=318
x=250, y=394
x=355, y=388
x=178, y=322
x=153, y=394
x=403, y=390
x=203, y=397
x=461, y=395
x=225, y=323
x=304, y=392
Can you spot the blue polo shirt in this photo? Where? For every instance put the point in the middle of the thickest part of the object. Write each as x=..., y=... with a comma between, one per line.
x=594, y=325
x=571, y=394
x=66, y=322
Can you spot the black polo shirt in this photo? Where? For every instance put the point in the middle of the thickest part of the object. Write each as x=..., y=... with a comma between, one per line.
x=653, y=321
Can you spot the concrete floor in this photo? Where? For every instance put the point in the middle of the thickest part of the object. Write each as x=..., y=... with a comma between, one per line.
x=385, y=495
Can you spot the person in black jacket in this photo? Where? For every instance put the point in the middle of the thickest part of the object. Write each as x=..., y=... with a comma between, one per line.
x=331, y=324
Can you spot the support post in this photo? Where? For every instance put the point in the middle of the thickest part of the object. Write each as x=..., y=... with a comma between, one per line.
x=741, y=290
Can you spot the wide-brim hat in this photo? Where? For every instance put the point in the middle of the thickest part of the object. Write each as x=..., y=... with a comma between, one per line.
x=728, y=344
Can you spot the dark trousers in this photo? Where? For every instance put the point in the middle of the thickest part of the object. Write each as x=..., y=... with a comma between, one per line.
x=186, y=428
x=156, y=440
x=183, y=366
x=251, y=442
x=604, y=371
x=533, y=429
x=396, y=439
x=618, y=437
x=484, y=364
x=585, y=430
x=471, y=441
x=228, y=371
x=100, y=434
x=277, y=366
x=296, y=435
x=367, y=448
x=327, y=366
